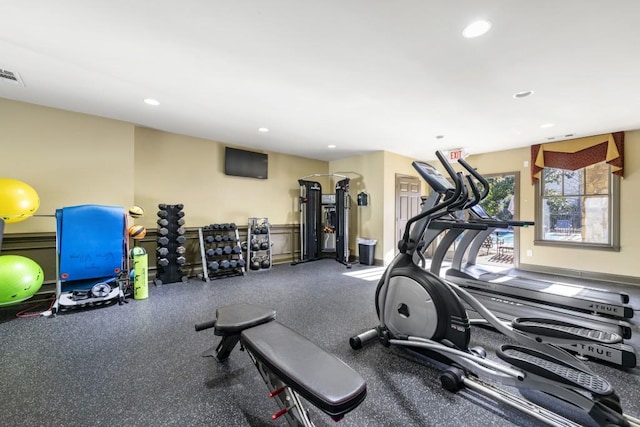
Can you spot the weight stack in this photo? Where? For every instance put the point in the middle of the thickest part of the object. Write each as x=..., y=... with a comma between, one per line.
x=171, y=240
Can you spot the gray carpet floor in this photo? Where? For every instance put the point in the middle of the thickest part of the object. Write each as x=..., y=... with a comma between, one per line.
x=140, y=363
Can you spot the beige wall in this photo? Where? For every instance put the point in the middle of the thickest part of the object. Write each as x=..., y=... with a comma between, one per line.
x=173, y=169
x=365, y=174
x=374, y=173
x=618, y=263
x=68, y=158
x=73, y=159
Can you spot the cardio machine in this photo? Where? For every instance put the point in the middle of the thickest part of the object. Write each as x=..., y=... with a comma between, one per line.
x=587, y=332
x=419, y=310
x=579, y=298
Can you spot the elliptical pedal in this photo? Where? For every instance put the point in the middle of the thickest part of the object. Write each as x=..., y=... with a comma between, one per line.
x=548, y=367
x=565, y=330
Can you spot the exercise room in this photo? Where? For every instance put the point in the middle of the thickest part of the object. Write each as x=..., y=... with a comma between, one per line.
x=291, y=213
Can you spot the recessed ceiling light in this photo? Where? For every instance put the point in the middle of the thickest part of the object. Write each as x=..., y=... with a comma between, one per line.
x=523, y=94
x=152, y=101
x=547, y=125
x=476, y=29
x=331, y=146
x=439, y=136
x=263, y=130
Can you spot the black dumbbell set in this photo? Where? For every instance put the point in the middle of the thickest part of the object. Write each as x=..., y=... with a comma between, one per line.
x=221, y=251
x=170, y=251
x=258, y=245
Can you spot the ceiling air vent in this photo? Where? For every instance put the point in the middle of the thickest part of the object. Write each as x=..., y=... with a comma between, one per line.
x=10, y=77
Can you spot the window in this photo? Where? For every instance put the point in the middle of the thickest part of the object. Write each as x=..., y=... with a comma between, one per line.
x=578, y=207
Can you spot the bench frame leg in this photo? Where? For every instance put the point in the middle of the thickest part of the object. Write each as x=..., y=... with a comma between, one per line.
x=296, y=414
x=222, y=351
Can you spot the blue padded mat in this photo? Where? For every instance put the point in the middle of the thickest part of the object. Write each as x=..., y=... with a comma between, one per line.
x=91, y=241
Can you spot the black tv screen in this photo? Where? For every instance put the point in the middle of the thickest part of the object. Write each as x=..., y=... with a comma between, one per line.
x=245, y=163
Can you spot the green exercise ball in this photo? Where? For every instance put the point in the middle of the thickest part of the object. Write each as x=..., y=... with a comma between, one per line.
x=20, y=279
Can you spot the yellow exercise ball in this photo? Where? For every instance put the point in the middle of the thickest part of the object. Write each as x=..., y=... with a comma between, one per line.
x=18, y=200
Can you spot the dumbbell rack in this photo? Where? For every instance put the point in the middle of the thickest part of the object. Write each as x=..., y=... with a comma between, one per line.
x=259, y=257
x=221, y=251
x=170, y=250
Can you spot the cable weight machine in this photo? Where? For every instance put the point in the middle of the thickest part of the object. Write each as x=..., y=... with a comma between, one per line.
x=324, y=220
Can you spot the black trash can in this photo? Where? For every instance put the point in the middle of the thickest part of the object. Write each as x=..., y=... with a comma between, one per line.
x=366, y=251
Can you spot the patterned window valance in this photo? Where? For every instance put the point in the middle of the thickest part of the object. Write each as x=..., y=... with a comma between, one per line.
x=579, y=153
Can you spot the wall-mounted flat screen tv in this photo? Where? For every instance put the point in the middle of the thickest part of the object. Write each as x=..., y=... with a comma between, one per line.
x=245, y=163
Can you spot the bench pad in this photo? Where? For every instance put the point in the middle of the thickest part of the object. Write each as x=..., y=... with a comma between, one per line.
x=233, y=319
x=318, y=376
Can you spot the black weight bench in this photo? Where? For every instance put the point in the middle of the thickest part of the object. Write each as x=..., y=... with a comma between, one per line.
x=290, y=364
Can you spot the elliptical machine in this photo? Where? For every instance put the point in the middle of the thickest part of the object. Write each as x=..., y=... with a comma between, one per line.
x=417, y=309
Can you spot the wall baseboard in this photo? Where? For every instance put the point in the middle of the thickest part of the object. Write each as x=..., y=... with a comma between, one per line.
x=579, y=274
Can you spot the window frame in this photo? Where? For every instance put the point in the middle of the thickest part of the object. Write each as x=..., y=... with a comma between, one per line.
x=614, y=220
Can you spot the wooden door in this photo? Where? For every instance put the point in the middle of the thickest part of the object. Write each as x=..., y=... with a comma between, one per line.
x=407, y=202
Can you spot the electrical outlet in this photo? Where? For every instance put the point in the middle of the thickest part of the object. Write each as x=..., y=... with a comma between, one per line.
x=529, y=252
x=526, y=163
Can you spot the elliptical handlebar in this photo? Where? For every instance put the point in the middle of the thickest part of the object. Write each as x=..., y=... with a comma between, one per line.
x=447, y=166
x=463, y=198
x=478, y=176
x=476, y=194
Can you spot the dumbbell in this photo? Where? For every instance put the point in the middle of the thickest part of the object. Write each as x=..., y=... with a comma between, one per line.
x=218, y=238
x=162, y=206
x=215, y=226
x=162, y=222
x=180, y=250
x=163, y=214
x=224, y=263
x=233, y=226
x=163, y=262
x=214, y=266
x=209, y=239
x=225, y=238
x=180, y=230
x=163, y=251
x=180, y=214
x=233, y=263
x=264, y=245
x=163, y=241
x=181, y=239
x=163, y=231
x=265, y=263
x=227, y=250
x=181, y=260
x=241, y=263
x=236, y=249
x=180, y=221
x=218, y=251
x=179, y=206
x=210, y=252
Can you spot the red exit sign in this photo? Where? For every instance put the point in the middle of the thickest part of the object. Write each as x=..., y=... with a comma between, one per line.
x=456, y=154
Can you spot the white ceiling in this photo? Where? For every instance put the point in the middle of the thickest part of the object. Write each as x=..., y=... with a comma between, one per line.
x=363, y=75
